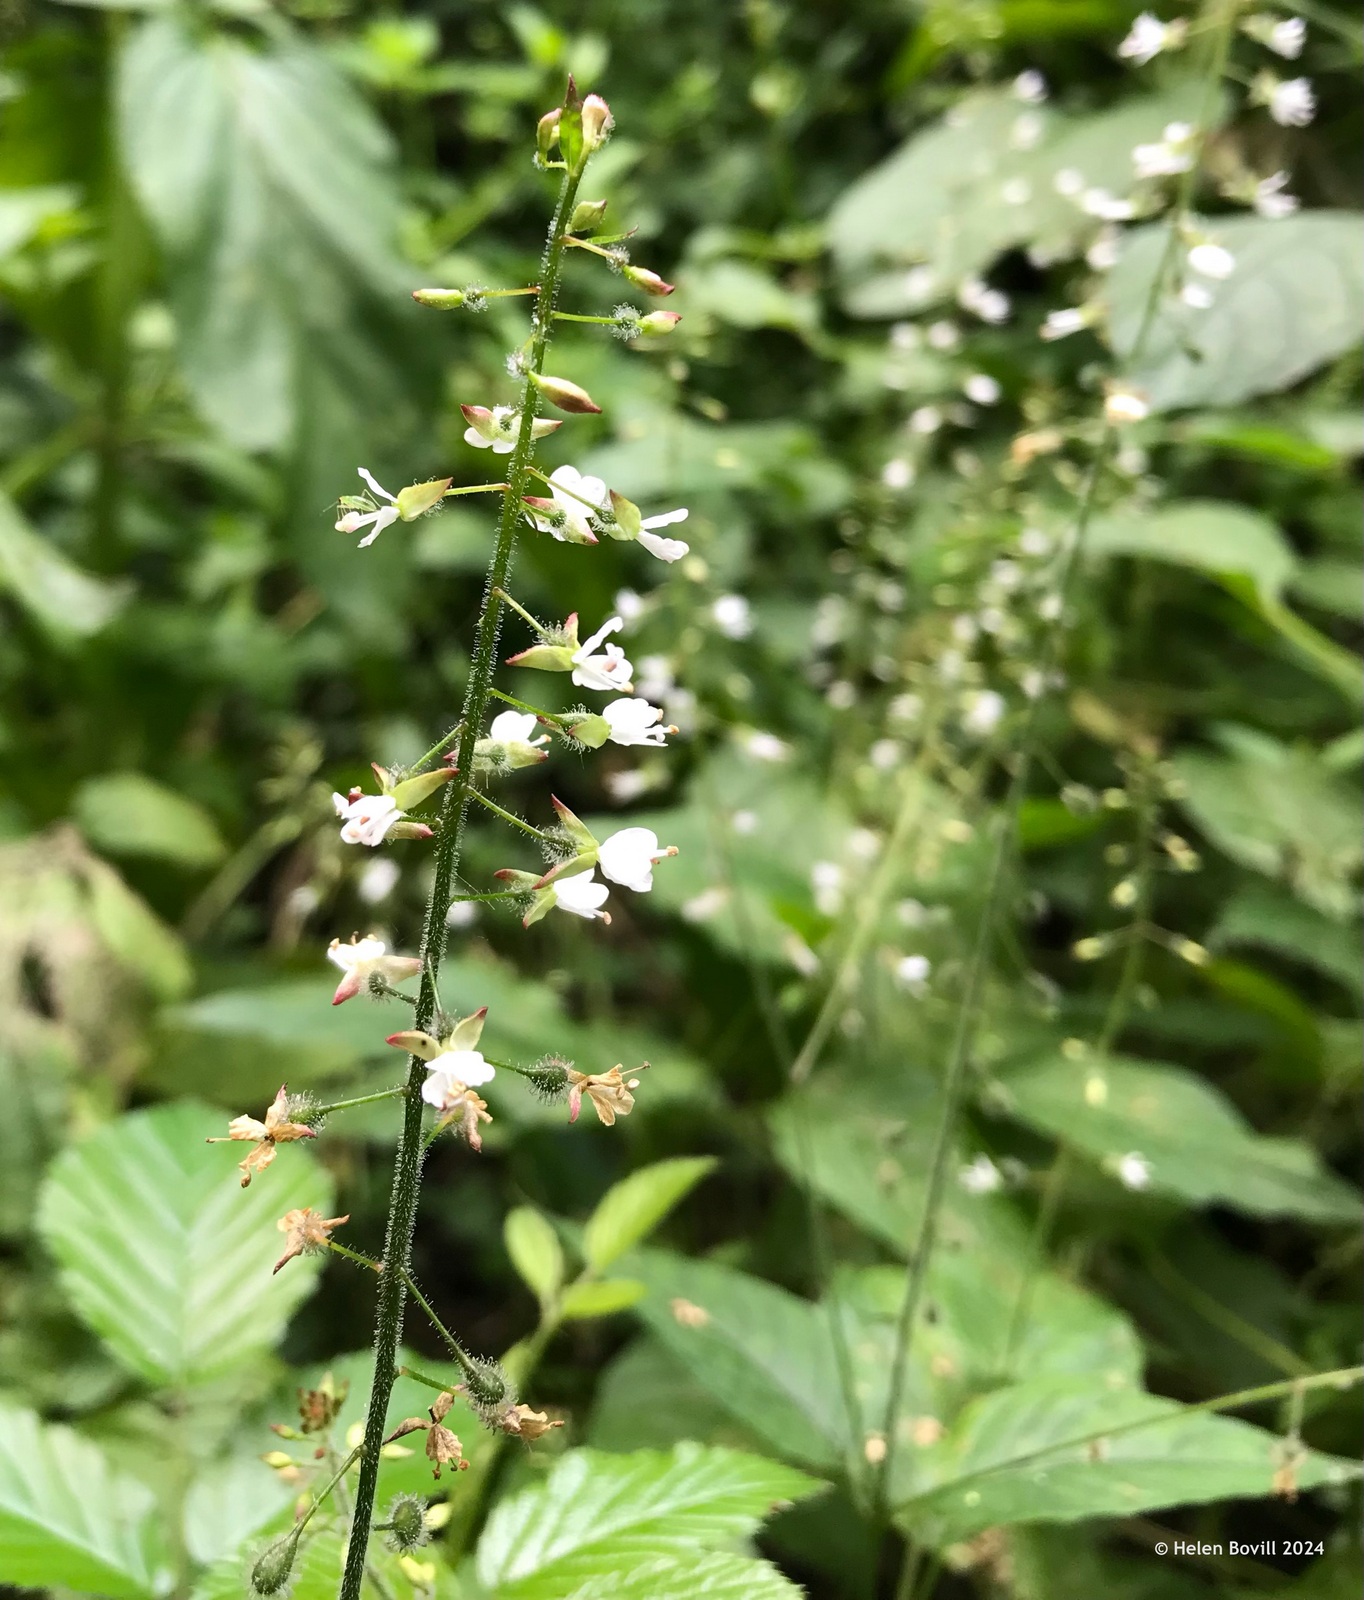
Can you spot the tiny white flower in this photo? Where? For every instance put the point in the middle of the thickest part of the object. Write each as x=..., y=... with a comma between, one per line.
x=886, y=754
x=1161, y=160
x=1032, y=682
x=1270, y=199
x=906, y=708
x=709, y=903
x=1062, y=323
x=378, y=880
x=918, y=284
x=448, y=1075
x=841, y=695
x=610, y=670
x=826, y=879
x=496, y=430
x=913, y=970
x=990, y=305
x=1212, y=261
x=925, y=419
x=628, y=785
x=1031, y=87
x=1149, y=36
x=1034, y=542
x=363, y=959
x=1287, y=38
x=1197, y=296
x=576, y=500
x=981, y=1176
x=635, y=721
x=1102, y=255
x=864, y=844
x=943, y=335
x=984, y=712
x=664, y=549
x=628, y=857
x=763, y=746
x=1068, y=182
x=1123, y=404
x=1107, y=207
x=1134, y=1170
x=897, y=473
x=581, y=894
x=733, y=616
x=1049, y=607
x=367, y=819
x=655, y=681
x=1027, y=131
x=982, y=388
x=1293, y=104
x=1006, y=574
x=629, y=604
x=378, y=519
x=516, y=727
x=905, y=336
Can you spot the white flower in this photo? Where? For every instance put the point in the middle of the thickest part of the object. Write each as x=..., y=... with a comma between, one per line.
x=376, y=520
x=913, y=970
x=1196, y=295
x=368, y=818
x=628, y=858
x=1287, y=38
x=733, y=616
x=1069, y=182
x=1061, y=324
x=1212, y=261
x=1107, y=207
x=1292, y=104
x=635, y=722
x=1123, y=404
x=1133, y=1170
x=886, y=754
x=1103, y=253
x=764, y=746
x=449, y=1074
x=378, y=880
x=982, y=1176
x=982, y=388
x=918, y=284
x=925, y=419
x=1149, y=36
x=610, y=670
x=516, y=727
x=571, y=520
x=1163, y=160
x=581, y=894
x=1027, y=131
x=990, y=305
x=984, y=712
x=496, y=430
x=897, y=473
x=1271, y=201
x=363, y=959
x=1031, y=86
x=1015, y=192
x=664, y=549
x=1034, y=542
x=826, y=879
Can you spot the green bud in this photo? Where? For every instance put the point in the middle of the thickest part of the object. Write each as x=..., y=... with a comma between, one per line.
x=412, y=791
x=591, y=730
x=659, y=323
x=548, y=1078
x=274, y=1565
x=407, y=1529
x=587, y=216
x=488, y=1390
x=440, y=299
x=544, y=658
x=418, y=498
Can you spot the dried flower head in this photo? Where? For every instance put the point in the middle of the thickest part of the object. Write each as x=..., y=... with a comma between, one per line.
x=277, y=1129
x=609, y=1093
x=307, y=1232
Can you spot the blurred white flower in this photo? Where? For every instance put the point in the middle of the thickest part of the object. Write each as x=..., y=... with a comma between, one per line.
x=1102, y=255
x=1173, y=154
x=826, y=879
x=980, y=1176
x=925, y=419
x=462, y=914
x=1107, y=207
x=886, y=754
x=628, y=604
x=378, y=879
x=1034, y=542
x=1292, y=103
x=1212, y=261
x=1196, y=295
x=581, y=894
x=1015, y=192
x=610, y=670
x=1069, y=182
x=627, y=785
x=918, y=284
x=655, y=679
x=1149, y=36
x=709, y=903
x=1270, y=199
x=913, y=970
x=990, y=305
x=635, y=721
x=984, y=712
x=733, y=616
x=943, y=335
x=1125, y=404
x=897, y=473
x=744, y=822
x=1133, y=1170
x=1031, y=87
x=764, y=746
x=1287, y=38
x=1027, y=131
x=376, y=520
x=1062, y=323
x=982, y=388
x=628, y=857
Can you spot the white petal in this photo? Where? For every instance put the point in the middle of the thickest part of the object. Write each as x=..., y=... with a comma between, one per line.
x=512, y=727
x=663, y=549
x=377, y=487
x=666, y=518
x=610, y=626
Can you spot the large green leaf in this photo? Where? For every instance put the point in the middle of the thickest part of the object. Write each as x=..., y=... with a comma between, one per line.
x=1211, y=535
x=721, y=1576
x=1196, y=1145
x=597, y=1516
x=164, y=1254
x=229, y=1502
x=65, y=601
x=68, y=1520
x=646, y=1399
x=764, y=1353
x=1008, y=1459
x=636, y=1205
x=1293, y=302
x=962, y=192
x=268, y=182
x=1266, y=917
x=130, y=814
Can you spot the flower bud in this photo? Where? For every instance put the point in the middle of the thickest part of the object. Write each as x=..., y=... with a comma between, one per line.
x=274, y=1565
x=587, y=216
x=597, y=123
x=419, y=498
x=650, y=282
x=546, y=136
x=591, y=730
x=574, y=827
x=658, y=323
x=412, y=791
x=407, y=1529
x=544, y=658
x=567, y=396
x=440, y=299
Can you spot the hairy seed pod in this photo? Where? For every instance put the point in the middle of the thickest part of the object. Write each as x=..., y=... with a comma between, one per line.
x=549, y=1078
x=488, y=1390
x=407, y=1530
x=274, y=1565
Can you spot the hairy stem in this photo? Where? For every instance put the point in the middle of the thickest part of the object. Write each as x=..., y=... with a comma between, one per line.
x=402, y=1215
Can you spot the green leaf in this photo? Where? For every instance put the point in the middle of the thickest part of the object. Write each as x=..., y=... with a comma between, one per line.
x=633, y=1208
x=598, y=1516
x=1211, y=535
x=535, y=1251
x=645, y=1399
x=722, y=1576
x=268, y=182
x=164, y=1254
x=764, y=1353
x=1197, y=1146
x=24, y=211
x=130, y=814
x=1293, y=303
x=65, y=601
x=68, y=1520
x=944, y=197
x=1007, y=1460
x=600, y=1299
x=229, y=1502
x=1268, y=918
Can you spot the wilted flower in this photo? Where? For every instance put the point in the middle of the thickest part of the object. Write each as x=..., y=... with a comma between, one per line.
x=524, y=1423
x=277, y=1129
x=1149, y=36
x=609, y=1093
x=307, y=1232
x=497, y=430
x=635, y=721
x=443, y=1448
x=363, y=960
x=628, y=857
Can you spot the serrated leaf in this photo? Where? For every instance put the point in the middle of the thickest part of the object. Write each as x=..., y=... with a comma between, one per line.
x=65, y=601
x=600, y=1298
x=1293, y=303
x=1196, y=1145
x=1211, y=535
x=633, y=1208
x=597, y=1515
x=535, y=1251
x=1008, y=1460
x=164, y=1254
x=645, y=1399
x=763, y=1352
x=229, y=1502
x=722, y=1576
x=130, y=814
x=68, y=1520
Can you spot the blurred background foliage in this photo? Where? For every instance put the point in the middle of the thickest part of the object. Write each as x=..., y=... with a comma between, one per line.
x=210, y=219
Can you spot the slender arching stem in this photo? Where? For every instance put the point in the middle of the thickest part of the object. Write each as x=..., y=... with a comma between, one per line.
x=402, y=1216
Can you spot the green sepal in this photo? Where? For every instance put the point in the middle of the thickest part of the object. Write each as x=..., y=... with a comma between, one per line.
x=413, y=791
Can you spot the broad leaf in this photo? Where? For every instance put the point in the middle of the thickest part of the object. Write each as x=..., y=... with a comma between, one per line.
x=646, y=1399
x=1267, y=918
x=721, y=1576
x=66, y=602
x=1212, y=535
x=229, y=1502
x=130, y=814
x=535, y=1251
x=599, y=1516
x=633, y=1208
x=1010, y=1459
x=1293, y=303
x=68, y=1520
x=162, y=1251
x=600, y=1298
x=1196, y=1146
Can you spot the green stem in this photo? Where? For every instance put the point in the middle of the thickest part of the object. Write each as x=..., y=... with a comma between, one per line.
x=574, y=316
x=368, y=1262
x=402, y=1216
x=504, y=598
x=363, y=1099
x=478, y=488
x=439, y=748
x=521, y=705
x=507, y=816
x=457, y=1350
